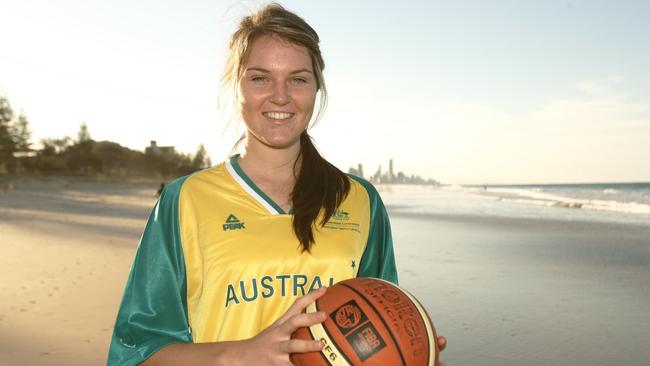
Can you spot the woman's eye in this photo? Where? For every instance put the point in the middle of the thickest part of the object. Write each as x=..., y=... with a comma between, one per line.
x=299, y=80
x=259, y=78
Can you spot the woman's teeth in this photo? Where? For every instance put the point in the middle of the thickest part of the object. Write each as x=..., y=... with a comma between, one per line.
x=278, y=115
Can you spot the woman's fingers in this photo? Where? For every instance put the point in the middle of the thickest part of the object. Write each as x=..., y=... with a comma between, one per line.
x=302, y=320
x=442, y=343
x=300, y=304
x=300, y=346
x=304, y=301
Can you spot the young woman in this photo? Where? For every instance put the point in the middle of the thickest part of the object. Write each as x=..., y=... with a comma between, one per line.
x=232, y=255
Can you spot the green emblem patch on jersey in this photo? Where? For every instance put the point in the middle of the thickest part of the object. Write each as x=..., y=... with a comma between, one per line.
x=341, y=215
x=233, y=223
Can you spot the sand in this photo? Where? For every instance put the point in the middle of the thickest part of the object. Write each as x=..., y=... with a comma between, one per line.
x=67, y=248
x=503, y=291
x=530, y=292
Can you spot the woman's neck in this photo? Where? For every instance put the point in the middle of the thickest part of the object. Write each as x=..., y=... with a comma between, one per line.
x=264, y=160
x=274, y=170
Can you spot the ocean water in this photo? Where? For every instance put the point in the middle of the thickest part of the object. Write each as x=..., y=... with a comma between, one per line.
x=612, y=202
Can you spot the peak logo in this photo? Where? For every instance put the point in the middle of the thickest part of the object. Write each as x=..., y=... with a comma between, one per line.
x=233, y=223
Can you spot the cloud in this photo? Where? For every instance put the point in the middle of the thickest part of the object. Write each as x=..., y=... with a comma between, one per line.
x=602, y=87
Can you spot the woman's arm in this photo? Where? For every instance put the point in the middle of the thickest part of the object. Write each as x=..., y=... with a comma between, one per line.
x=153, y=310
x=271, y=347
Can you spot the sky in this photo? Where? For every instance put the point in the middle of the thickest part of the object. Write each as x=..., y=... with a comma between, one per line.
x=464, y=92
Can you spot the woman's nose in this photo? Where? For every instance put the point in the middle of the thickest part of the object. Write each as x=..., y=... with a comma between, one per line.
x=280, y=94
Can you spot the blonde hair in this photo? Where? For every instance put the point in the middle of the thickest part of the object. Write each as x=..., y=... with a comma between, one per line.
x=275, y=20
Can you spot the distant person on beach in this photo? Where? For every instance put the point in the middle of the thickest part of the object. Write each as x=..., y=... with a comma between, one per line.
x=160, y=189
x=232, y=255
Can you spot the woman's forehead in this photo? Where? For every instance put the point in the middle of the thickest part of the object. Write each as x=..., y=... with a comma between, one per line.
x=272, y=53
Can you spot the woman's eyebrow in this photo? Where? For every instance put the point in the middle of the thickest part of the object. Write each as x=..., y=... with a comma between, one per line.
x=302, y=70
x=260, y=69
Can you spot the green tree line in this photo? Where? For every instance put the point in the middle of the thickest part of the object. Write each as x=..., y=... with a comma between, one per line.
x=84, y=156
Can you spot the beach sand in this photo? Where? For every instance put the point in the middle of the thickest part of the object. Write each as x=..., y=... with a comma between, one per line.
x=503, y=291
x=67, y=248
x=530, y=292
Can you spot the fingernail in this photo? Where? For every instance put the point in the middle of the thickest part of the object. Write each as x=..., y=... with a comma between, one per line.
x=322, y=315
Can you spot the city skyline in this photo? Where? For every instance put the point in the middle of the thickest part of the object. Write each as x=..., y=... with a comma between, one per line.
x=390, y=177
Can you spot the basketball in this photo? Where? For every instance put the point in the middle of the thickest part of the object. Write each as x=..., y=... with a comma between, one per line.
x=370, y=322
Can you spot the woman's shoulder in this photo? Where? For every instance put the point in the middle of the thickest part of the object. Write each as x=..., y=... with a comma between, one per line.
x=198, y=177
x=363, y=184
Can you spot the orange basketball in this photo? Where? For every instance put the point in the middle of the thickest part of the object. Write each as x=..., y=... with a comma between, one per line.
x=370, y=322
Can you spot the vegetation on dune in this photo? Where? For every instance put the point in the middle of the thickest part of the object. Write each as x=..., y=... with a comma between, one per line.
x=84, y=156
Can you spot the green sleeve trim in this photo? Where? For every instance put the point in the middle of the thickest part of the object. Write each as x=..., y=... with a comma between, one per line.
x=378, y=259
x=153, y=312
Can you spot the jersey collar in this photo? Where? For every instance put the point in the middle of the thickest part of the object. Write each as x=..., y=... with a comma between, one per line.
x=251, y=188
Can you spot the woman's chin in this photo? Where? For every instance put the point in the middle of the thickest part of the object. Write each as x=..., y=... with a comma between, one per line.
x=280, y=142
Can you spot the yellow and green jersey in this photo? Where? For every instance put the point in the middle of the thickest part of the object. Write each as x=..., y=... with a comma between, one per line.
x=218, y=260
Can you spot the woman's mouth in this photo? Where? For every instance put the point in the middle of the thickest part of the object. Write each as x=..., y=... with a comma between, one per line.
x=278, y=115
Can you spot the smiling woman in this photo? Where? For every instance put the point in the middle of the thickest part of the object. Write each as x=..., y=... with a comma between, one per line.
x=232, y=255
x=277, y=93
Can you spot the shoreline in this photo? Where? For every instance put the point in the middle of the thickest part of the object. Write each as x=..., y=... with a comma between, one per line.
x=508, y=221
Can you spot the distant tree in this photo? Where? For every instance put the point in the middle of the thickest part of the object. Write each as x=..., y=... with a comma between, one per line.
x=20, y=133
x=7, y=145
x=81, y=156
x=62, y=144
x=51, y=158
x=119, y=161
x=183, y=165
x=53, y=146
x=201, y=159
x=48, y=148
x=82, y=159
x=6, y=113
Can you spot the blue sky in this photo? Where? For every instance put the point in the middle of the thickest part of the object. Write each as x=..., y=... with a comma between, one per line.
x=459, y=91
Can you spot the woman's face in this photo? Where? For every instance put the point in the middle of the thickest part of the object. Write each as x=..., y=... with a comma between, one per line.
x=277, y=92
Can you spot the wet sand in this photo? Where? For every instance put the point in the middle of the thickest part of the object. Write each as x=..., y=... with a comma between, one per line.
x=530, y=292
x=504, y=291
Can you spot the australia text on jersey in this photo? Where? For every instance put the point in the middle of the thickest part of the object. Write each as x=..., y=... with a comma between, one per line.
x=278, y=285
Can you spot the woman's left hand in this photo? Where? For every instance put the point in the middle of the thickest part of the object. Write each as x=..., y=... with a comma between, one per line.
x=442, y=344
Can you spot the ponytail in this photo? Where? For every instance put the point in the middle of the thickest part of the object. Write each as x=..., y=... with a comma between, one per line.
x=320, y=186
